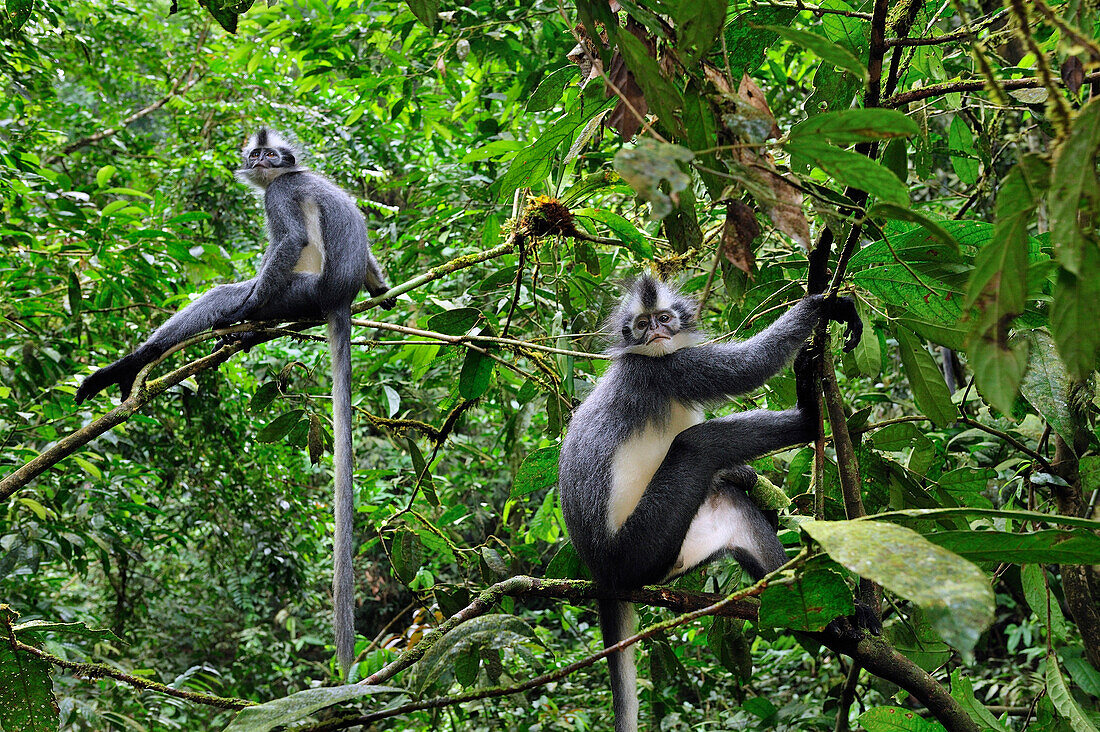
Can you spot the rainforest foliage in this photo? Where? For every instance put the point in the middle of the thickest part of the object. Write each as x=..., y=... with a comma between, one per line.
x=165, y=561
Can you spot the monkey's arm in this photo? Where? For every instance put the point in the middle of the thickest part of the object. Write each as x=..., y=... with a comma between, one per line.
x=706, y=373
x=288, y=238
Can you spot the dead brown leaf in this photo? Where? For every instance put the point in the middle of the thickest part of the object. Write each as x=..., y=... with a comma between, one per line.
x=738, y=233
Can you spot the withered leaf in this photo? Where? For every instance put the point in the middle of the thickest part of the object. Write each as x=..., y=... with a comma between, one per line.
x=738, y=233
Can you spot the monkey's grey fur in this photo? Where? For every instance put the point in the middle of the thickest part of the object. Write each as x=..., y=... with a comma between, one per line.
x=317, y=261
x=649, y=489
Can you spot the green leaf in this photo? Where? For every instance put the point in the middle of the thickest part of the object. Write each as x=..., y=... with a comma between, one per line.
x=662, y=96
x=934, y=228
x=423, y=475
x=917, y=641
x=315, y=440
x=278, y=428
x=963, y=691
x=809, y=602
x=1075, y=193
x=406, y=555
x=747, y=37
x=896, y=719
x=954, y=594
x=852, y=169
x=494, y=631
x=855, y=125
x=29, y=631
x=476, y=374
x=1075, y=313
x=539, y=470
x=961, y=141
x=1039, y=547
x=1046, y=384
x=298, y=706
x=27, y=702
x=1042, y=601
x=16, y=14
x=698, y=23
x=104, y=174
x=1063, y=700
x=627, y=232
x=936, y=514
x=896, y=437
x=263, y=397
x=128, y=192
x=533, y=163
x=929, y=390
x=550, y=89
x=998, y=286
x=426, y=11
x=458, y=321
x=89, y=467
x=824, y=49
x=868, y=352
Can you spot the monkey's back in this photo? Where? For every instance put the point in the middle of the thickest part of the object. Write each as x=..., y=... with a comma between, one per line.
x=342, y=227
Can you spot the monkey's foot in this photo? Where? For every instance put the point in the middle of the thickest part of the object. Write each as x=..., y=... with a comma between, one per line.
x=852, y=627
x=246, y=340
x=121, y=372
x=843, y=310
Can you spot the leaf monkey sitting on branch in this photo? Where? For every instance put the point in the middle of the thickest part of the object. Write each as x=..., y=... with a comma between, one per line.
x=317, y=260
x=649, y=489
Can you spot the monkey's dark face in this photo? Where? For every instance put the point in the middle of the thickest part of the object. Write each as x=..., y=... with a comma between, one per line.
x=655, y=320
x=265, y=157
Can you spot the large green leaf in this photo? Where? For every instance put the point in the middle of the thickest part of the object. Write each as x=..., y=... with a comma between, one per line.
x=747, y=36
x=551, y=88
x=539, y=470
x=698, y=23
x=1075, y=313
x=494, y=631
x=298, y=706
x=929, y=389
x=896, y=719
x=534, y=162
x=1075, y=193
x=476, y=374
x=1063, y=700
x=809, y=602
x=961, y=141
x=1043, y=602
x=963, y=691
x=1041, y=547
x=852, y=169
x=954, y=594
x=627, y=232
x=998, y=286
x=662, y=96
x=824, y=49
x=855, y=125
x=27, y=702
x=1046, y=383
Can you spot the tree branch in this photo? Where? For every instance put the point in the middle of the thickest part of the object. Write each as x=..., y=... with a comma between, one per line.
x=936, y=90
x=144, y=392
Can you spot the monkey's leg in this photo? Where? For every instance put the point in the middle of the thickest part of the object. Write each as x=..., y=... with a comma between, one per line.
x=647, y=545
x=209, y=311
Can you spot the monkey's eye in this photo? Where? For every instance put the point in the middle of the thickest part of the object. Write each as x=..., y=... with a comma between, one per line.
x=641, y=323
x=664, y=317
x=254, y=154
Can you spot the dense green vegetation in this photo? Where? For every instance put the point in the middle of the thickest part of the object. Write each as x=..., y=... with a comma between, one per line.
x=516, y=161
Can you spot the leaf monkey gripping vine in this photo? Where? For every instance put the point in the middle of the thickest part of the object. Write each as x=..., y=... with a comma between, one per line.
x=649, y=489
x=317, y=260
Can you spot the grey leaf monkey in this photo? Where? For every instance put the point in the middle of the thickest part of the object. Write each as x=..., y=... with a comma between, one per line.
x=317, y=260
x=649, y=489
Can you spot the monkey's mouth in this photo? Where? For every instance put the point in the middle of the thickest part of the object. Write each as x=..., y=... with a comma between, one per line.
x=261, y=164
x=657, y=337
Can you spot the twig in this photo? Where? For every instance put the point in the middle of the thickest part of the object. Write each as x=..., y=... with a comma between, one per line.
x=936, y=90
x=186, y=81
x=103, y=671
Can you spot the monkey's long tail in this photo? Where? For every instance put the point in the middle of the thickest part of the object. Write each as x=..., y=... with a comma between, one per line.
x=618, y=621
x=343, y=578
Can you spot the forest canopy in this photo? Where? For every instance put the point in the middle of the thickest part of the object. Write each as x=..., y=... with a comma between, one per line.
x=166, y=558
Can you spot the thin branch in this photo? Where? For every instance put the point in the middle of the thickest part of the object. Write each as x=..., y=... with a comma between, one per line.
x=466, y=339
x=103, y=671
x=144, y=392
x=936, y=90
x=181, y=86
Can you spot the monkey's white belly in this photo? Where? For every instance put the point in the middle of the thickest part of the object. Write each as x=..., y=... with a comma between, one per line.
x=312, y=258
x=637, y=459
x=718, y=526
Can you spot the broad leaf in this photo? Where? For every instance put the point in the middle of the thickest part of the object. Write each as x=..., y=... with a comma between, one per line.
x=896, y=719
x=539, y=470
x=27, y=702
x=1075, y=193
x=1063, y=700
x=929, y=389
x=852, y=169
x=809, y=602
x=954, y=594
x=290, y=709
x=824, y=49
x=855, y=125
x=1040, y=547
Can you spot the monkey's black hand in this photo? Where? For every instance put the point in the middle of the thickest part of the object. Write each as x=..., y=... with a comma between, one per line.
x=389, y=303
x=852, y=627
x=245, y=340
x=807, y=365
x=843, y=310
